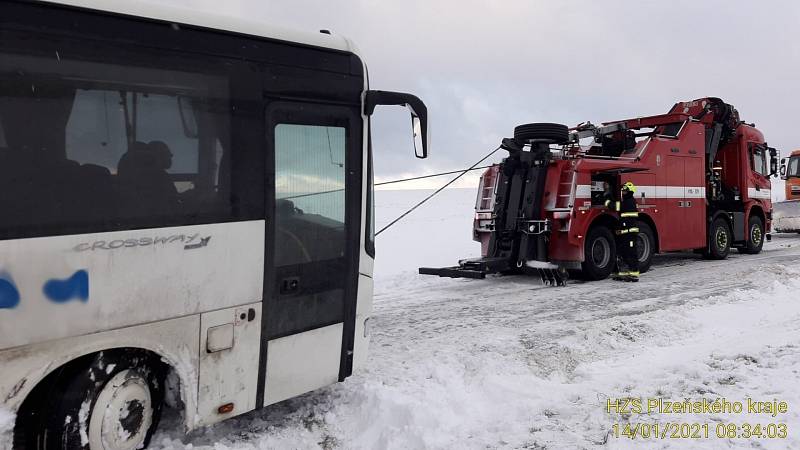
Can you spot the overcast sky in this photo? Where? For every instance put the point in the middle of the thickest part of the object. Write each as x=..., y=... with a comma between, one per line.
x=485, y=66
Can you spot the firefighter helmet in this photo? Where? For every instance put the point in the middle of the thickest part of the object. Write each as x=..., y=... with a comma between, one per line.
x=628, y=186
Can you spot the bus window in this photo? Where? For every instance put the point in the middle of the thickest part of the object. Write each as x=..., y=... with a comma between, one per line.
x=309, y=193
x=95, y=132
x=309, y=168
x=103, y=146
x=310, y=232
x=159, y=119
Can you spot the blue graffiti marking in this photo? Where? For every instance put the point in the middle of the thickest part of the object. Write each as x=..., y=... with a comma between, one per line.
x=9, y=295
x=74, y=287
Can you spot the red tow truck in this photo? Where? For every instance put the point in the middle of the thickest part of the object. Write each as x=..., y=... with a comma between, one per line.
x=703, y=184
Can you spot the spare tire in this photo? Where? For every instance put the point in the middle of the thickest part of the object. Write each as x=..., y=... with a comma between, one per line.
x=554, y=133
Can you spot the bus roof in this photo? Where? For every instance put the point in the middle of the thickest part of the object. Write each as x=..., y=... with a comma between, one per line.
x=186, y=16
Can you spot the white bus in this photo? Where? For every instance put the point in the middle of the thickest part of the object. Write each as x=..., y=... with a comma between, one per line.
x=185, y=217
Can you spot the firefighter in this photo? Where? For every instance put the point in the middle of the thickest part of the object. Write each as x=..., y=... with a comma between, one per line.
x=627, y=234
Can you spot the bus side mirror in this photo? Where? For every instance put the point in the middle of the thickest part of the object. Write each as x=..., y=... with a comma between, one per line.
x=783, y=168
x=419, y=115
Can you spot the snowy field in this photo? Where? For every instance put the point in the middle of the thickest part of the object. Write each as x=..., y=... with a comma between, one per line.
x=507, y=363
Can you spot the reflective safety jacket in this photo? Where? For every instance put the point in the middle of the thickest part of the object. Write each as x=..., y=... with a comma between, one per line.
x=628, y=213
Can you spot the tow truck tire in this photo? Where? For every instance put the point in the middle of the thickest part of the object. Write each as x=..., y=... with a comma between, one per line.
x=755, y=236
x=645, y=246
x=719, y=240
x=554, y=133
x=112, y=403
x=600, y=254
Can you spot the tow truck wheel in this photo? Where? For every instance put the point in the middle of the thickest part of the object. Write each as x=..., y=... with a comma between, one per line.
x=645, y=247
x=755, y=236
x=719, y=236
x=600, y=254
x=554, y=133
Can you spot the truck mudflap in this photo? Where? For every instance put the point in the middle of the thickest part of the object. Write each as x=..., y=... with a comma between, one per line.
x=786, y=216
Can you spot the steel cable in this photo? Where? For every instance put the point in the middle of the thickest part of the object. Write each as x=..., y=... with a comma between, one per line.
x=460, y=174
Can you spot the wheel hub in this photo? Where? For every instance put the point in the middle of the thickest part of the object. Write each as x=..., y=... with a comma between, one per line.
x=642, y=247
x=601, y=252
x=756, y=235
x=722, y=239
x=122, y=413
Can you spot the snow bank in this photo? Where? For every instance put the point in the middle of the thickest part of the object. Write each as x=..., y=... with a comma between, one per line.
x=7, y=419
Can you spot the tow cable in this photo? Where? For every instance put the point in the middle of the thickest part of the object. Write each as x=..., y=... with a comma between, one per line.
x=460, y=174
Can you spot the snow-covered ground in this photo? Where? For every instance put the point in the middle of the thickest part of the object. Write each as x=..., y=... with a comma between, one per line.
x=6, y=427
x=507, y=363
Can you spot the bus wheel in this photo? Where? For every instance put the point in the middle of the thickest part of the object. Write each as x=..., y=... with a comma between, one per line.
x=645, y=247
x=600, y=254
x=755, y=237
x=115, y=404
x=719, y=240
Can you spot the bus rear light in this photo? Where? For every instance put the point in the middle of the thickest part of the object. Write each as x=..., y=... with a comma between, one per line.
x=225, y=409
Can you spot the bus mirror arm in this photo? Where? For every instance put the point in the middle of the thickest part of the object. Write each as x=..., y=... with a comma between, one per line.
x=419, y=115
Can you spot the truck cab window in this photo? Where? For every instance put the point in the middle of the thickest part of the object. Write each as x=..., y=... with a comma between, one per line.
x=793, y=170
x=758, y=160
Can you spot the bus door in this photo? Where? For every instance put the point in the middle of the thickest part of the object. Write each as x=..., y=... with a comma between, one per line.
x=311, y=260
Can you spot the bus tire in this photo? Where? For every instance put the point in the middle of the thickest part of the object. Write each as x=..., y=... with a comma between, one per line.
x=554, y=133
x=645, y=246
x=719, y=240
x=755, y=236
x=112, y=403
x=600, y=253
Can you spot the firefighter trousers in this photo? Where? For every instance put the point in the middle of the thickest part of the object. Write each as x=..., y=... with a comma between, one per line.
x=627, y=251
